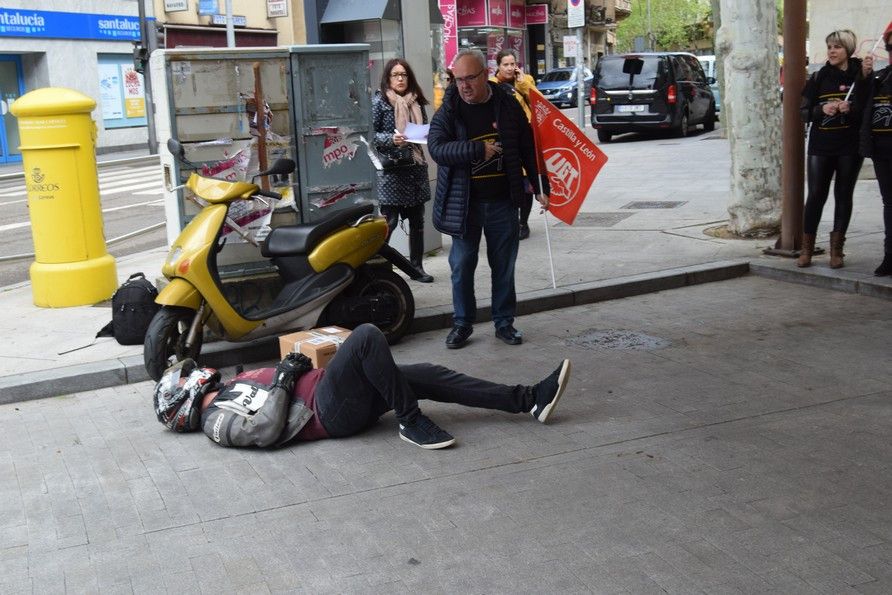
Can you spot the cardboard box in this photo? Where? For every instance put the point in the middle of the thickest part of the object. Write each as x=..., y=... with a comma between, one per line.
x=318, y=344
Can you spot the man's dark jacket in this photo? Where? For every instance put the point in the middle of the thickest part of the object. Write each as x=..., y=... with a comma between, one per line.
x=449, y=146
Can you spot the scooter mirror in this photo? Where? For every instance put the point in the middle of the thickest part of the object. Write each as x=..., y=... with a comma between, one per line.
x=281, y=167
x=176, y=148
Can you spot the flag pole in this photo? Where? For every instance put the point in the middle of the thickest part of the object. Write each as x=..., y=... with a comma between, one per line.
x=872, y=50
x=548, y=243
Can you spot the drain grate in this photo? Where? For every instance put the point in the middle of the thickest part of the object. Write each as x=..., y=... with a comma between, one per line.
x=598, y=219
x=621, y=340
x=654, y=204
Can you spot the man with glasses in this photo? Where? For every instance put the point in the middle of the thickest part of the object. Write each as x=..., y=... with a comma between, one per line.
x=483, y=144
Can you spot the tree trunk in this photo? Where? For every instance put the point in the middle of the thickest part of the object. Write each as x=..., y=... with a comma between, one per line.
x=747, y=42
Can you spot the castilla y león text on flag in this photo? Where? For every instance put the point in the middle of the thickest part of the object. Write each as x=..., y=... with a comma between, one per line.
x=566, y=155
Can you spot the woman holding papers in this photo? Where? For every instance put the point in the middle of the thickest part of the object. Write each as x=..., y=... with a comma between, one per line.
x=403, y=183
x=832, y=145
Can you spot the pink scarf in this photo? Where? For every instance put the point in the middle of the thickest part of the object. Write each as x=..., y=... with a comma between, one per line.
x=406, y=109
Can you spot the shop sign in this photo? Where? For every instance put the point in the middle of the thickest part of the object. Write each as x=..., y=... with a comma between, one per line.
x=575, y=13
x=176, y=5
x=471, y=13
x=450, y=31
x=537, y=14
x=498, y=13
x=17, y=22
x=237, y=20
x=570, y=46
x=516, y=14
x=207, y=7
x=276, y=8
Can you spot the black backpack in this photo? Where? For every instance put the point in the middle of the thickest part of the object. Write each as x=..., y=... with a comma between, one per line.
x=133, y=307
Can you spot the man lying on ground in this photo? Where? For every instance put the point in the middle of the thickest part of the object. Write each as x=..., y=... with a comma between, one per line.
x=270, y=407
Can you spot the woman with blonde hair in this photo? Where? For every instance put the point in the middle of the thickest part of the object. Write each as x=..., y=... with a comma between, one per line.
x=832, y=145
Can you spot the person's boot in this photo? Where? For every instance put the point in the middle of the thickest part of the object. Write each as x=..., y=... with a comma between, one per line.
x=808, y=248
x=885, y=267
x=837, y=240
x=416, y=253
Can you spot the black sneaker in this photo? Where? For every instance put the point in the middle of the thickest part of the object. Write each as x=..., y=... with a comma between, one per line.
x=549, y=391
x=426, y=434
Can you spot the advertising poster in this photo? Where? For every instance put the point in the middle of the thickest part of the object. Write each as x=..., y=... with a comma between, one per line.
x=498, y=13
x=450, y=31
x=517, y=14
x=471, y=13
x=134, y=94
x=110, y=91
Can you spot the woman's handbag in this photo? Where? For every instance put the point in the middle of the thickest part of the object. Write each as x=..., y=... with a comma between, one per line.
x=389, y=163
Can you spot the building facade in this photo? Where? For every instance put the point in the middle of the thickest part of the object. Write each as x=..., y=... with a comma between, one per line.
x=83, y=45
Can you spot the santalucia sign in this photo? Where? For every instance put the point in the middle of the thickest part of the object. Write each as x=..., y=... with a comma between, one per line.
x=68, y=25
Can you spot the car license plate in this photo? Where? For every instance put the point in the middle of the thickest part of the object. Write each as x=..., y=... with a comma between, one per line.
x=630, y=108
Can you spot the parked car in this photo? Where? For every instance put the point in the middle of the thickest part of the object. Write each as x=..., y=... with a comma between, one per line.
x=650, y=91
x=559, y=86
x=708, y=64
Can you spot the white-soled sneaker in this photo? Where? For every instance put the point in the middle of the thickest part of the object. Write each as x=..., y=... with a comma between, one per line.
x=547, y=392
x=426, y=434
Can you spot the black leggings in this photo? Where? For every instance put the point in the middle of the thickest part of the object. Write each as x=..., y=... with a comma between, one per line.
x=414, y=215
x=883, y=168
x=820, y=171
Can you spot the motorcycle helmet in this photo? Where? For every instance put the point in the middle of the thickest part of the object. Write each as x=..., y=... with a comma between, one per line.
x=179, y=393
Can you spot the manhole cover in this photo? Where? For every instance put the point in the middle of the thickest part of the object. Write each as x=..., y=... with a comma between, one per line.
x=618, y=339
x=654, y=204
x=598, y=219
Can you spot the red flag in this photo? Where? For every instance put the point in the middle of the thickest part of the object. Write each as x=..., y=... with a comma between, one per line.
x=569, y=158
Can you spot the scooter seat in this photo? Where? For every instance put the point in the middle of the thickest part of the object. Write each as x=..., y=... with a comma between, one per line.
x=301, y=239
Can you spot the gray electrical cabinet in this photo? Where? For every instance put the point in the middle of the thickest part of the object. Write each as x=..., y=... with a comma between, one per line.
x=332, y=118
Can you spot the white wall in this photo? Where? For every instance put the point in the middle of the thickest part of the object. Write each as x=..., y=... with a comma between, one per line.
x=867, y=18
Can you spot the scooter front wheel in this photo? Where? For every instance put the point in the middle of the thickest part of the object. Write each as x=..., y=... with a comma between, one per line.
x=165, y=342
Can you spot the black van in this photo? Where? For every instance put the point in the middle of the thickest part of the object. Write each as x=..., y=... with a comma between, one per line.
x=650, y=91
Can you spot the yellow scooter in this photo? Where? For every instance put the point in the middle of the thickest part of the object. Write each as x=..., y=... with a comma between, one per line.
x=323, y=267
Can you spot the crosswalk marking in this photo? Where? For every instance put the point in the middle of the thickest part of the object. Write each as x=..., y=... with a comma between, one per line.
x=150, y=203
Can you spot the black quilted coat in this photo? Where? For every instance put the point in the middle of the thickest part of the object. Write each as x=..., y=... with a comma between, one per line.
x=449, y=147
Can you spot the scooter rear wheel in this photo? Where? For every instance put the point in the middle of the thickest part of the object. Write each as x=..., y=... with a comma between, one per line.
x=377, y=295
x=384, y=283
x=165, y=342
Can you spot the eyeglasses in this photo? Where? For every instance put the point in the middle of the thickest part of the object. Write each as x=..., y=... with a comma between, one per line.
x=467, y=80
x=399, y=75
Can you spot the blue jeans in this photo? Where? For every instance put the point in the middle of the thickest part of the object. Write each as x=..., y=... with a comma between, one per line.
x=498, y=222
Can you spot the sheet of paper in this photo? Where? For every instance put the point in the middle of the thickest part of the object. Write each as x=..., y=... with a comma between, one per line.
x=416, y=133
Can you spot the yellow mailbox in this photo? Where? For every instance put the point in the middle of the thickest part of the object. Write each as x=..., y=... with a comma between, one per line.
x=71, y=265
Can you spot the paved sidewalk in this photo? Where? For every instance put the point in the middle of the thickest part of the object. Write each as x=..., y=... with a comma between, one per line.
x=619, y=246
x=732, y=437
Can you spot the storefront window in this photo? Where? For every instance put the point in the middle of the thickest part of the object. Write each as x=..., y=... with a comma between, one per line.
x=384, y=39
x=491, y=41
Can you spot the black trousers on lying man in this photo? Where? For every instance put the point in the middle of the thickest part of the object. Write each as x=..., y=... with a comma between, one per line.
x=273, y=406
